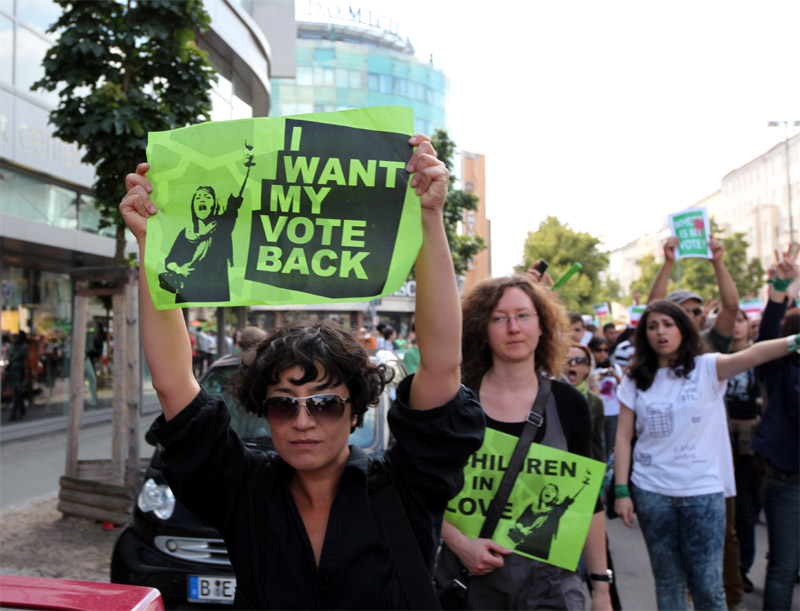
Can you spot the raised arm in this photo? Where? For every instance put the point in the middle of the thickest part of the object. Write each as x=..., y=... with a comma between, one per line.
x=728, y=293
x=164, y=336
x=438, y=310
x=659, y=288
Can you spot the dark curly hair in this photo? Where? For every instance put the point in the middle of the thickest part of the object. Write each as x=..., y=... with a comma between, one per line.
x=477, y=306
x=644, y=364
x=323, y=350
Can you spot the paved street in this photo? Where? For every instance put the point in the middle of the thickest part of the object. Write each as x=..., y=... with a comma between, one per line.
x=29, y=471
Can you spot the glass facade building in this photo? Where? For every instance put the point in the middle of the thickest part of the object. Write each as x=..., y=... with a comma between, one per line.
x=344, y=66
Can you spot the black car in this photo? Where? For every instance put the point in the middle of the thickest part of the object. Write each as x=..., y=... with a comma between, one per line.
x=167, y=547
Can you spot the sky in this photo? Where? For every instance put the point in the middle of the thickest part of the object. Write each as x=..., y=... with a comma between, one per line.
x=609, y=115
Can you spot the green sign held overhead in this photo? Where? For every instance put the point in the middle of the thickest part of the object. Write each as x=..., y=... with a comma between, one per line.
x=308, y=209
x=550, y=507
x=693, y=230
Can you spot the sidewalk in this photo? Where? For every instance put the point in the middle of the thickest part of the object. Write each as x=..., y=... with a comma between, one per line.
x=30, y=469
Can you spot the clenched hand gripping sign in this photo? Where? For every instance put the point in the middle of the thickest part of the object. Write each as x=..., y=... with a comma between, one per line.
x=308, y=209
x=551, y=505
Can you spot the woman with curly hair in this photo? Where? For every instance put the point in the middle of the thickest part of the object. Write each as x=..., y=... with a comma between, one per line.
x=514, y=332
x=299, y=524
x=673, y=397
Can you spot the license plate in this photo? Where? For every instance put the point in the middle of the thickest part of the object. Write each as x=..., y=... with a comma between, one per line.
x=211, y=588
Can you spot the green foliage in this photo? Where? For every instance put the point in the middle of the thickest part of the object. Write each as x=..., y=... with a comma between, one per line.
x=561, y=246
x=123, y=69
x=463, y=248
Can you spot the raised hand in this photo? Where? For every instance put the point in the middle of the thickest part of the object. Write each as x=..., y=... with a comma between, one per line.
x=429, y=175
x=669, y=248
x=136, y=206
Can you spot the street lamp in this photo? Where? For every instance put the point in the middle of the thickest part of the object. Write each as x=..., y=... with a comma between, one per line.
x=788, y=179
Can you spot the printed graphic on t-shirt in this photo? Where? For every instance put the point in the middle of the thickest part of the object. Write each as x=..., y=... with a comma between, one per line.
x=739, y=386
x=660, y=420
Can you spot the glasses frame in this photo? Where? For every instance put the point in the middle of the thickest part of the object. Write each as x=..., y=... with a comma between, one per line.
x=503, y=319
x=576, y=360
x=319, y=414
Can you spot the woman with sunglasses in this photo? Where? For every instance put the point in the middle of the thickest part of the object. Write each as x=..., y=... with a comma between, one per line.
x=609, y=375
x=673, y=397
x=515, y=331
x=299, y=525
x=581, y=373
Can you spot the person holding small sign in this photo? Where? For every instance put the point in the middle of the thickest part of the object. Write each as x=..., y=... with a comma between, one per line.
x=673, y=399
x=303, y=526
x=515, y=336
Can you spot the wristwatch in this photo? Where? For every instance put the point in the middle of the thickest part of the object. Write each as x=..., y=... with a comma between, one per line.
x=609, y=576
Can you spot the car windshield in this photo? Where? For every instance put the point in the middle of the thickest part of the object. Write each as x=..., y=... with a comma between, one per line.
x=253, y=428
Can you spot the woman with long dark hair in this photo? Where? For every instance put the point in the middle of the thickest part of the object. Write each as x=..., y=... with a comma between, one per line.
x=515, y=331
x=673, y=397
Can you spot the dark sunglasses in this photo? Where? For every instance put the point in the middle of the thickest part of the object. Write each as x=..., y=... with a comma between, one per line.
x=322, y=408
x=696, y=311
x=578, y=360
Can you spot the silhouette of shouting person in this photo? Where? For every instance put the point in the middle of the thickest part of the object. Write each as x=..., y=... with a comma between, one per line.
x=197, y=264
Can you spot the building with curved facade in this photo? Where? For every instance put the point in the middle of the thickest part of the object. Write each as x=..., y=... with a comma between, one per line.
x=48, y=224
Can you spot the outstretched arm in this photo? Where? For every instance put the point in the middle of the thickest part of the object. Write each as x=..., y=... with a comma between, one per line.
x=438, y=309
x=728, y=294
x=728, y=365
x=659, y=288
x=164, y=336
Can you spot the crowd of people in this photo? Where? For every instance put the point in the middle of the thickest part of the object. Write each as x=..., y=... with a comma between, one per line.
x=301, y=524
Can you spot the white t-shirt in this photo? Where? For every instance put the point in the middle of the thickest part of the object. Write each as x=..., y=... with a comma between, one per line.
x=683, y=448
x=607, y=389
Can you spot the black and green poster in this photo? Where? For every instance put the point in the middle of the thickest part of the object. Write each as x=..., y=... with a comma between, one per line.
x=550, y=508
x=307, y=209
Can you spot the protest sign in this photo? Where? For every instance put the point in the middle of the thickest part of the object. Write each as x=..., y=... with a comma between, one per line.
x=635, y=312
x=309, y=209
x=550, y=508
x=752, y=308
x=693, y=230
x=602, y=312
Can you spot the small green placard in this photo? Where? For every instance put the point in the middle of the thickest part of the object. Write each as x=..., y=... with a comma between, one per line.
x=550, y=508
x=287, y=210
x=692, y=229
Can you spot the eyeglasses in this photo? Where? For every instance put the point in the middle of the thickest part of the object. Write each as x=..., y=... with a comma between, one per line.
x=322, y=408
x=696, y=311
x=577, y=360
x=521, y=318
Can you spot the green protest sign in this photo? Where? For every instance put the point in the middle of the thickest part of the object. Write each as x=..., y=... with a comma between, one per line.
x=308, y=209
x=550, y=508
x=693, y=230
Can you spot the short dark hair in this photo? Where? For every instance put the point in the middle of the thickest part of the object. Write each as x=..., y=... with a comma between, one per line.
x=311, y=345
x=387, y=331
x=644, y=365
x=576, y=317
x=609, y=325
x=596, y=342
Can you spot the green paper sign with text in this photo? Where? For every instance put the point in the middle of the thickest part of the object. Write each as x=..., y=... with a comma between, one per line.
x=693, y=230
x=286, y=210
x=550, y=508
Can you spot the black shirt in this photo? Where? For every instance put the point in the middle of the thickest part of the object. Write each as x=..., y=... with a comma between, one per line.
x=245, y=495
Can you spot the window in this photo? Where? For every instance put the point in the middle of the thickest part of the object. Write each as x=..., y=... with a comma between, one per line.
x=305, y=75
x=29, y=198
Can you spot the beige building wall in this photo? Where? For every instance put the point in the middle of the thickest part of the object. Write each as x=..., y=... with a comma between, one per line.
x=755, y=200
x=473, y=177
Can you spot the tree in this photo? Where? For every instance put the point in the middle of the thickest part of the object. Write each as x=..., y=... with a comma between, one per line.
x=561, y=246
x=463, y=248
x=123, y=69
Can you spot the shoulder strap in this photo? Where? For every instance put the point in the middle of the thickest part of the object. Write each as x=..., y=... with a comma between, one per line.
x=532, y=423
x=404, y=548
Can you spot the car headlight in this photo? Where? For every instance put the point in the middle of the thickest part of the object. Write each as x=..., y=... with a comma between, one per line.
x=157, y=498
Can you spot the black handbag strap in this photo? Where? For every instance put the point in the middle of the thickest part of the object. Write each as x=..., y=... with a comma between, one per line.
x=404, y=549
x=533, y=421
